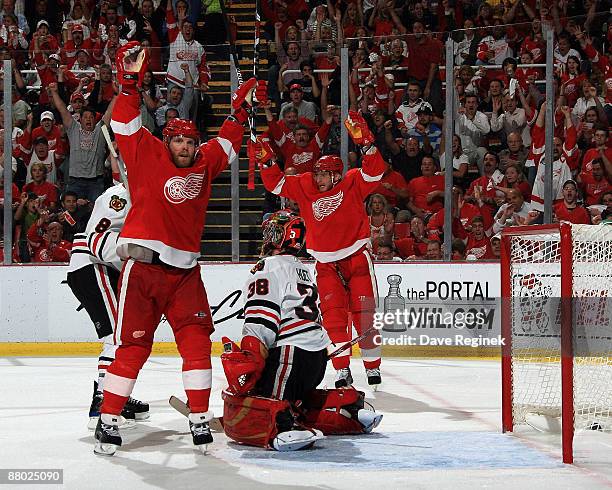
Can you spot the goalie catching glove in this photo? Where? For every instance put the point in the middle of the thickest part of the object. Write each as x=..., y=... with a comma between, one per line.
x=132, y=63
x=251, y=91
x=358, y=129
x=243, y=366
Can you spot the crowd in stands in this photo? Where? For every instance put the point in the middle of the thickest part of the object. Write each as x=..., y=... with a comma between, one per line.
x=396, y=53
x=62, y=54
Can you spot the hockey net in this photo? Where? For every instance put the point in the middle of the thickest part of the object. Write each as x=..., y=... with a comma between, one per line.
x=557, y=322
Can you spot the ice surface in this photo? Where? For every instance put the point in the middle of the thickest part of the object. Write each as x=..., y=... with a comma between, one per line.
x=441, y=429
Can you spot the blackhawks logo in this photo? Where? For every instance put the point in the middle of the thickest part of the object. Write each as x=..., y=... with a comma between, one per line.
x=117, y=203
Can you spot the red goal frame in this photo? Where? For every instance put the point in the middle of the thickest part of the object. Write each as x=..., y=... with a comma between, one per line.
x=564, y=230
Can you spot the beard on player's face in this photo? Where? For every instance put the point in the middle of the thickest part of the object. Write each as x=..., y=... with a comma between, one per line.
x=182, y=151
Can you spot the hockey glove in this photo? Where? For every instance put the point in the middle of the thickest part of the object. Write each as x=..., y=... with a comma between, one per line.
x=261, y=92
x=132, y=63
x=358, y=129
x=263, y=153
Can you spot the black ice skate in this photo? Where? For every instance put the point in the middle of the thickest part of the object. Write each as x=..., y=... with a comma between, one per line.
x=140, y=409
x=129, y=417
x=344, y=378
x=374, y=378
x=200, y=430
x=107, y=434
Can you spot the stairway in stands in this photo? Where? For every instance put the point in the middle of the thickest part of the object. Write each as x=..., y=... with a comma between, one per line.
x=216, y=241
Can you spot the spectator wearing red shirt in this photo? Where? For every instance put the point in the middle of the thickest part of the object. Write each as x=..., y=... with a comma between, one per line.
x=415, y=245
x=463, y=214
x=424, y=59
x=39, y=186
x=482, y=191
x=306, y=150
x=515, y=179
x=571, y=80
x=569, y=209
x=47, y=243
x=77, y=42
x=47, y=129
x=478, y=245
x=42, y=40
x=595, y=183
x=426, y=192
x=47, y=68
x=393, y=187
x=534, y=43
x=601, y=150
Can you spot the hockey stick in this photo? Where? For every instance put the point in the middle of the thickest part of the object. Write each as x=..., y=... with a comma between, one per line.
x=216, y=424
x=234, y=54
x=350, y=343
x=120, y=165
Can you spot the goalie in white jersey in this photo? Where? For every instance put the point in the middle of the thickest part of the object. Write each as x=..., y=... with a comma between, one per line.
x=283, y=354
x=93, y=275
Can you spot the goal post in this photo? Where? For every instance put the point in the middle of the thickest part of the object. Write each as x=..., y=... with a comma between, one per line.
x=556, y=285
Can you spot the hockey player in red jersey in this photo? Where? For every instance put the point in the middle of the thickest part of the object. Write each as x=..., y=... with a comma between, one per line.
x=169, y=184
x=272, y=399
x=93, y=275
x=337, y=235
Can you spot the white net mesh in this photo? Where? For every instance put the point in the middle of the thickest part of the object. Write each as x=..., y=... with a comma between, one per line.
x=535, y=271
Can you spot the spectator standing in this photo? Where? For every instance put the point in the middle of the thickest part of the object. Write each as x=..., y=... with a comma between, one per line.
x=471, y=127
x=185, y=49
x=177, y=98
x=87, y=148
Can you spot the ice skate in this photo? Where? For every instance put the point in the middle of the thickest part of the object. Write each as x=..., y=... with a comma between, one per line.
x=296, y=439
x=374, y=378
x=107, y=434
x=200, y=430
x=140, y=409
x=128, y=420
x=369, y=419
x=343, y=378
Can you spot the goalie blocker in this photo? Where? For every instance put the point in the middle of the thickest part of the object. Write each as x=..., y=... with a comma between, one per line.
x=272, y=399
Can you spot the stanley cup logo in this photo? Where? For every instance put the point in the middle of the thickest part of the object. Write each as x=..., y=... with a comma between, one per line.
x=394, y=302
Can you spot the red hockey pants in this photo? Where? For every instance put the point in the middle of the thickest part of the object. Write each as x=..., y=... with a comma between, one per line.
x=146, y=292
x=349, y=285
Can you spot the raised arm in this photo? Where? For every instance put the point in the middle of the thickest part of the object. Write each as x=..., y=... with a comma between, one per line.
x=67, y=119
x=126, y=120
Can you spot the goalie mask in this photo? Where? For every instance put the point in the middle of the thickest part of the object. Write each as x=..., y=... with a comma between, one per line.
x=283, y=231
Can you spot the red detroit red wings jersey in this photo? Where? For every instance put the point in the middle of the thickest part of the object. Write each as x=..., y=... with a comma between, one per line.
x=168, y=203
x=336, y=221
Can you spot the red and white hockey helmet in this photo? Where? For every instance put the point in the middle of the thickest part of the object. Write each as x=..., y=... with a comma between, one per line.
x=180, y=127
x=283, y=230
x=329, y=163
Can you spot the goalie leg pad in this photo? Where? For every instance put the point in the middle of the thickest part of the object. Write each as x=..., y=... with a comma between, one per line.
x=255, y=420
x=334, y=412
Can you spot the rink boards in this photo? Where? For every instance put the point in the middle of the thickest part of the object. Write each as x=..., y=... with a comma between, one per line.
x=439, y=309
